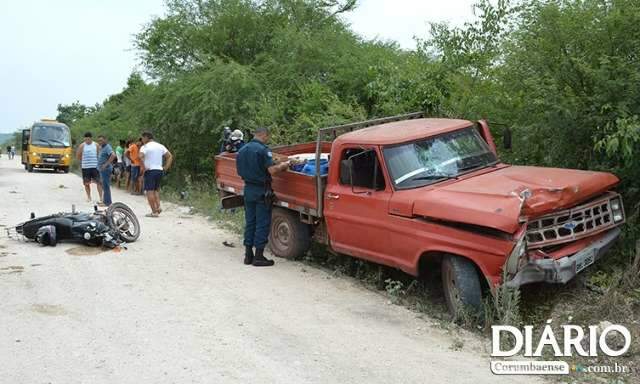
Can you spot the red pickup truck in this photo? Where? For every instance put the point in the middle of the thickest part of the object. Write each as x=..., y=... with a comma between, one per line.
x=406, y=191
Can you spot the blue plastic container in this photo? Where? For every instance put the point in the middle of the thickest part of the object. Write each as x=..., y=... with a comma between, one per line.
x=298, y=167
x=310, y=167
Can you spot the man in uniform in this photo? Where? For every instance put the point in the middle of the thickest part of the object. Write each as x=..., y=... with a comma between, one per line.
x=255, y=165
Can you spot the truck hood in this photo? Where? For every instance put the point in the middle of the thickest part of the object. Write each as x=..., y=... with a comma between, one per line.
x=498, y=199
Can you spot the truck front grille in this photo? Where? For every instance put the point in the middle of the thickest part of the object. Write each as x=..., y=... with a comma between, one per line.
x=575, y=223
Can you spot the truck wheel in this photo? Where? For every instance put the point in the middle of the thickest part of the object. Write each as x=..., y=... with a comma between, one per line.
x=29, y=168
x=461, y=285
x=289, y=237
x=65, y=169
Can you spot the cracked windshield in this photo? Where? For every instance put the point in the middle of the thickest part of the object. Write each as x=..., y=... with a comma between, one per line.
x=447, y=156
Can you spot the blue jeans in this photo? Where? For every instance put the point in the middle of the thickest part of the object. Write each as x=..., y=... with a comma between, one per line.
x=105, y=178
x=135, y=173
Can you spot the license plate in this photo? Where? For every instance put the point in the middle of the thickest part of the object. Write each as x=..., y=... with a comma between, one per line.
x=584, y=261
x=50, y=160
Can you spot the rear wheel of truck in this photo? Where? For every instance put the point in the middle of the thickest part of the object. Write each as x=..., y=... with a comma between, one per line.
x=289, y=237
x=461, y=284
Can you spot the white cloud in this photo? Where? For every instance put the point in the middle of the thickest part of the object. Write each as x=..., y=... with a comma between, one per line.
x=401, y=20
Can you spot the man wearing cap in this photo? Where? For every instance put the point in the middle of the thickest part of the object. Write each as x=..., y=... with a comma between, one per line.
x=255, y=165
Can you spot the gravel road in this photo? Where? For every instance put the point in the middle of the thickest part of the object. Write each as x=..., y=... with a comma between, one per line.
x=179, y=307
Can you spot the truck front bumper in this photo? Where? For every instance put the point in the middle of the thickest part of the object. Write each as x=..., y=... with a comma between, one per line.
x=565, y=268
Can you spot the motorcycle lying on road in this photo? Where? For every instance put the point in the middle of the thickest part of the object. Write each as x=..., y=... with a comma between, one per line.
x=109, y=228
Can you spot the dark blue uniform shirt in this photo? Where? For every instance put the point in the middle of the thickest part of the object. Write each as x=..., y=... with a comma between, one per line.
x=253, y=162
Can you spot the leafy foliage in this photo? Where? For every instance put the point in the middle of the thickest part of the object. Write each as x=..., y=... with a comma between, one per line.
x=292, y=65
x=563, y=74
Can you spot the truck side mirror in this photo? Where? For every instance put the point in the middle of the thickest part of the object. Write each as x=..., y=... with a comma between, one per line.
x=25, y=139
x=506, y=139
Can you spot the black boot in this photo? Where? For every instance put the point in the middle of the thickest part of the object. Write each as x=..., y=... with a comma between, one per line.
x=260, y=260
x=248, y=255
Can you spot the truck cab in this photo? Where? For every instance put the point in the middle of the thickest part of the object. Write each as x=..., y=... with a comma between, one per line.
x=411, y=192
x=46, y=145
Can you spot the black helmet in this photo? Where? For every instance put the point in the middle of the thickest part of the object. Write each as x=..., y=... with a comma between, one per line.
x=46, y=235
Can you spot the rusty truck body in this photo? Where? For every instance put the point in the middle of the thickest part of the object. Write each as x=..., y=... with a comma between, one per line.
x=405, y=191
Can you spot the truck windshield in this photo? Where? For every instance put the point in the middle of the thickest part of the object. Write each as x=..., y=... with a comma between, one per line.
x=50, y=136
x=438, y=158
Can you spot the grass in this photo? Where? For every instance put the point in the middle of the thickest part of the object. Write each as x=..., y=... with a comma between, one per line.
x=203, y=199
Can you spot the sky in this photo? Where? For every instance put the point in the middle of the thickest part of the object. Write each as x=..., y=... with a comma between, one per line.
x=57, y=52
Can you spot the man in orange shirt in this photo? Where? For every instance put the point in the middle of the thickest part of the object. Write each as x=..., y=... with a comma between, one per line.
x=133, y=153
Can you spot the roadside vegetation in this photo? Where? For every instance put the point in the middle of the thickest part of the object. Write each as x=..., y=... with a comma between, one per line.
x=562, y=75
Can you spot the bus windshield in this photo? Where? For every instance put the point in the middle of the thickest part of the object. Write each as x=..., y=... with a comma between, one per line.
x=51, y=136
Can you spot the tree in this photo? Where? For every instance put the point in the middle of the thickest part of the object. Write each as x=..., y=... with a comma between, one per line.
x=71, y=113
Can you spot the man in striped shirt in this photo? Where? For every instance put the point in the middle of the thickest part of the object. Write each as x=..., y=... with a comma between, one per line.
x=87, y=154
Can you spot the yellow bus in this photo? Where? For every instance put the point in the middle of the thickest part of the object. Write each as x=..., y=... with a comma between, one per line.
x=47, y=144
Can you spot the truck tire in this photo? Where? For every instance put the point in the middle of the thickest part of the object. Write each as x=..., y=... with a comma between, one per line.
x=65, y=169
x=289, y=237
x=461, y=284
x=29, y=168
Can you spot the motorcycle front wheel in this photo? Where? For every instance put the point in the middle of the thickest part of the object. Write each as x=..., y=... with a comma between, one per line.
x=122, y=219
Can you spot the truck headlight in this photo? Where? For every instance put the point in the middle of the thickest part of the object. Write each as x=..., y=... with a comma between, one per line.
x=67, y=155
x=617, y=210
x=520, y=250
x=34, y=154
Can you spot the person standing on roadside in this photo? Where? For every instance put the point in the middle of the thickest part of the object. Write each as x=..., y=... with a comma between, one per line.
x=87, y=154
x=133, y=153
x=127, y=166
x=156, y=160
x=105, y=166
x=119, y=169
x=13, y=152
x=255, y=165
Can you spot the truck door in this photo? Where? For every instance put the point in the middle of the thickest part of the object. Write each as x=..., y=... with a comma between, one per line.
x=356, y=205
x=26, y=134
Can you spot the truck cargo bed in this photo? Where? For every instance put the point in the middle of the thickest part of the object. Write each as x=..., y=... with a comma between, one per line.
x=294, y=190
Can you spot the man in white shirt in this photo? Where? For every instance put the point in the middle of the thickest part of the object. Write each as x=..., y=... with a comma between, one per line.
x=156, y=159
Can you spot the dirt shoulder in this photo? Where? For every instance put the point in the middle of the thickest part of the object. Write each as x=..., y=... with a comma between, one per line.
x=178, y=306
